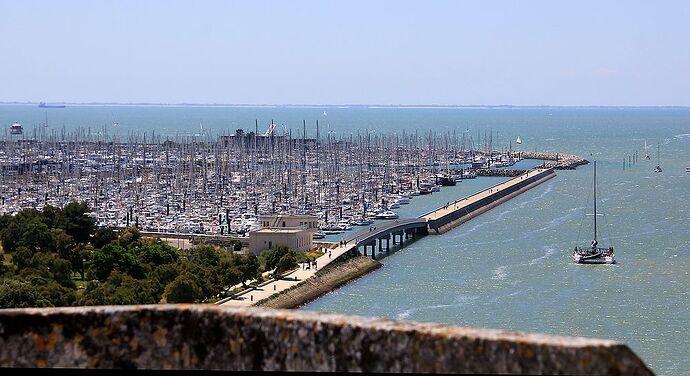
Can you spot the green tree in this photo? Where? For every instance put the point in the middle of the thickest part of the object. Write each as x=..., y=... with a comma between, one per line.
x=183, y=290
x=204, y=255
x=286, y=263
x=119, y=289
x=152, y=252
x=19, y=294
x=53, y=216
x=103, y=236
x=272, y=257
x=114, y=257
x=58, y=295
x=36, y=236
x=249, y=267
x=162, y=275
x=128, y=235
x=60, y=242
x=76, y=223
x=21, y=257
x=60, y=270
x=228, y=273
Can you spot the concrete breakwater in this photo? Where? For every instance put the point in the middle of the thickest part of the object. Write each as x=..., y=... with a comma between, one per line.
x=220, y=338
x=346, y=268
x=498, y=172
x=462, y=210
x=557, y=161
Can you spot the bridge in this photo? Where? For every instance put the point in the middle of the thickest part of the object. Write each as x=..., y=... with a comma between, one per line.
x=395, y=230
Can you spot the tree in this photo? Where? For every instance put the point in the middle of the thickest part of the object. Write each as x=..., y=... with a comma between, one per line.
x=21, y=257
x=19, y=294
x=103, y=236
x=58, y=269
x=204, y=255
x=36, y=236
x=183, y=290
x=128, y=235
x=286, y=263
x=119, y=289
x=230, y=277
x=151, y=252
x=114, y=257
x=76, y=223
x=239, y=133
x=53, y=216
x=161, y=276
x=272, y=257
x=249, y=266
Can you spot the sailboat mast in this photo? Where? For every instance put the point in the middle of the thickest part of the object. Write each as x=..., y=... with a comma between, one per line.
x=595, y=200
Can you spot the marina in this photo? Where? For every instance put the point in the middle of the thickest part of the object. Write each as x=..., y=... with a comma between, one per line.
x=220, y=185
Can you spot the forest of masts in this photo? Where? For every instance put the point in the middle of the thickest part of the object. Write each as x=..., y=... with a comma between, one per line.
x=204, y=183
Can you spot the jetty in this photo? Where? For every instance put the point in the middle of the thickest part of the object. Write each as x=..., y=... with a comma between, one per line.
x=455, y=213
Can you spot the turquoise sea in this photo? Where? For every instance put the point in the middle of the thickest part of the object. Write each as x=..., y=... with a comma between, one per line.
x=509, y=268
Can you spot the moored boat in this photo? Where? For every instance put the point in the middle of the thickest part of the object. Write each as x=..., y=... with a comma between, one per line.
x=387, y=215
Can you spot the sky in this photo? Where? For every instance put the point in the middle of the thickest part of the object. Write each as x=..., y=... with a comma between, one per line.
x=560, y=53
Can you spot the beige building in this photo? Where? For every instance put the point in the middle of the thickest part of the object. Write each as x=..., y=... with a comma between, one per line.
x=292, y=231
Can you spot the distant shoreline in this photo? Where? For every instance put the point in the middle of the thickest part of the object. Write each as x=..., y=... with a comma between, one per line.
x=371, y=106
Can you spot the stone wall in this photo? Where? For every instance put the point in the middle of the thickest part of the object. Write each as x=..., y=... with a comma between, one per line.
x=212, y=337
x=332, y=276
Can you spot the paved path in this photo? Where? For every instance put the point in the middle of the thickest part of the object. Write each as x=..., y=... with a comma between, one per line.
x=463, y=202
x=290, y=280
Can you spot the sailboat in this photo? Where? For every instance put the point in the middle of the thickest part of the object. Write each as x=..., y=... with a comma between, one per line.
x=646, y=155
x=518, y=141
x=594, y=254
x=658, y=164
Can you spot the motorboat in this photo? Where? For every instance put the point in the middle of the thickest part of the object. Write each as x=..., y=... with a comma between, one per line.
x=16, y=128
x=444, y=180
x=388, y=214
x=468, y=175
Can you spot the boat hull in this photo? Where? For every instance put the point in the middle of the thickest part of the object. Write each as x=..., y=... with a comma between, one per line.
x=594, y=260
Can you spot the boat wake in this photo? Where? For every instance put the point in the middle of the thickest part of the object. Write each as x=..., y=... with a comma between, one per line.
x=549, y=251
x=500, y=273
x=462, y=300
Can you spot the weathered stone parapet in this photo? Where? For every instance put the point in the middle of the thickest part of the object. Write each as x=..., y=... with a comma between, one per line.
x=212, y=337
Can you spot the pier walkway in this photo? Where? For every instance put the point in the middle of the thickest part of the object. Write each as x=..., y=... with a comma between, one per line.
x=461, y=210
x=252, y=296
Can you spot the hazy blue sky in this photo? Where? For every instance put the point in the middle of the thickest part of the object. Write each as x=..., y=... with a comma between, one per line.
x=327, y=52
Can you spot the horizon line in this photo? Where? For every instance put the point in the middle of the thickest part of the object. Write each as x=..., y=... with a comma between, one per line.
x=191, y=104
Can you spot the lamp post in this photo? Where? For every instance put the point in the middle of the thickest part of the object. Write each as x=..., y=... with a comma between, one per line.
x=83, y=269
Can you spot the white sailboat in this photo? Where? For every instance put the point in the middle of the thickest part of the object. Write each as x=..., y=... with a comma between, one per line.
x=646, y=155
x=594, y=254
